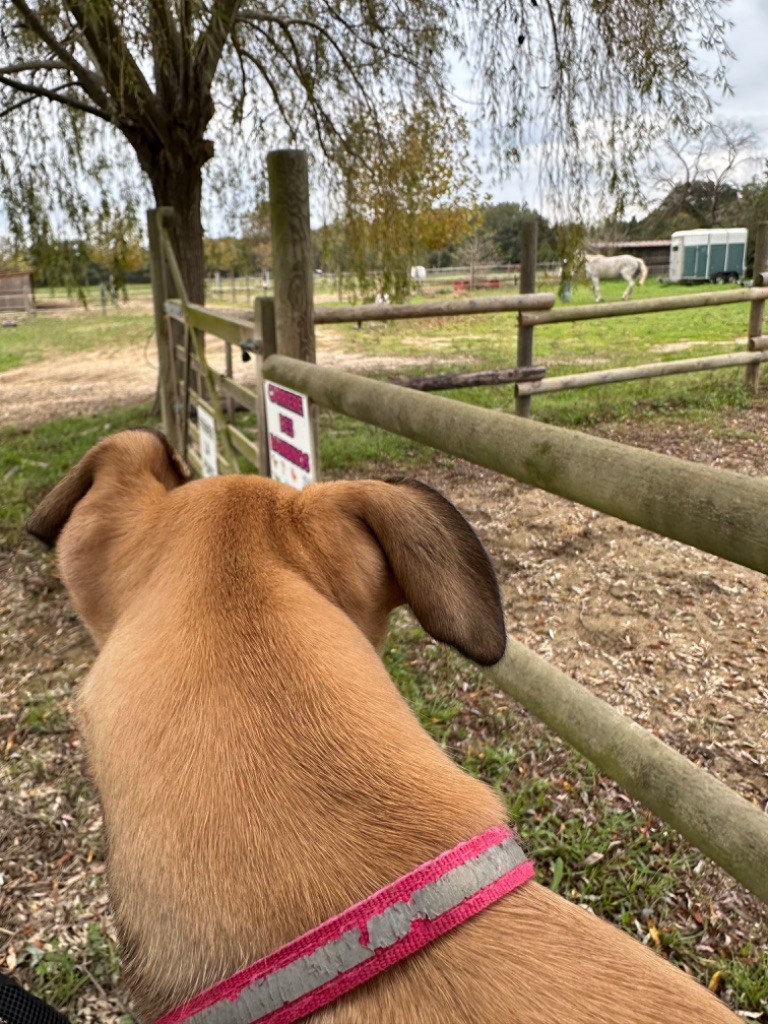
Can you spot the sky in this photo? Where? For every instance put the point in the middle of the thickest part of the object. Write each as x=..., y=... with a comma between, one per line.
x=748, y=39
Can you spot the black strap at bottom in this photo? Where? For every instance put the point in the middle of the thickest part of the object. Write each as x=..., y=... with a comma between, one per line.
x=17, y=1006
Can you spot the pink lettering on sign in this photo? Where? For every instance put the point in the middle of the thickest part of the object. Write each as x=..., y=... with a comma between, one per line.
x=286, y=425
x=284, y=398
x=281, y=447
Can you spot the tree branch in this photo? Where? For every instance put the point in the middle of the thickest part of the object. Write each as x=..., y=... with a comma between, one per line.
x=292, y=57
x=250, y=17
x=119, y=68
x=212, y=39
x=264, y=72
x=168, y=51
x=57, y=94
x=4, y=111
x=87, y=80
x=34, y=65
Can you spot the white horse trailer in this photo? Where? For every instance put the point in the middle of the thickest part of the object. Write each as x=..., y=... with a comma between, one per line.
x=716, y=254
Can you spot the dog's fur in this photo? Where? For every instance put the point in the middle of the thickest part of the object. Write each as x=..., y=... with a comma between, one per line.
x=259, y=771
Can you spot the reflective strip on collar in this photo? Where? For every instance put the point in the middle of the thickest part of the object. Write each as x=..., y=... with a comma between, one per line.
x=366, y=939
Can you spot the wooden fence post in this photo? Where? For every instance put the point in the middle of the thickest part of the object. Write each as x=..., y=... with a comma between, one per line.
x=757, y=308
x=528, y=260
x=292, y=265
x=291, y=253
x=162, y=289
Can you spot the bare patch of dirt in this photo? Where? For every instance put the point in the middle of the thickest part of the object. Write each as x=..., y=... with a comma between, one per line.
x=83, y=382
x=76, y=384
x=684, y=346
x=676, y=639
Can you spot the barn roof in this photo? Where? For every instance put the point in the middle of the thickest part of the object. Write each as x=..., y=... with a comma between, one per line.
x=16, y=273
x=625, y=243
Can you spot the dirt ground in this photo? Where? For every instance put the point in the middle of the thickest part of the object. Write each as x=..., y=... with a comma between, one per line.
x=84, y=382
x=675, y=638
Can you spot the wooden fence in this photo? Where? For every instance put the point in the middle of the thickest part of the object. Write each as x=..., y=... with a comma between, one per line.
x=755, y=353
x=537, y=310
x=715, y=510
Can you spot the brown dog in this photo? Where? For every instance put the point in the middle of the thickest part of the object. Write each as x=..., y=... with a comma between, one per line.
x=257, y=768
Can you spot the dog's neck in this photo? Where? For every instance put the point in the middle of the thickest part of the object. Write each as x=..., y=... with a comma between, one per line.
x=327, y=804
x=391, y=925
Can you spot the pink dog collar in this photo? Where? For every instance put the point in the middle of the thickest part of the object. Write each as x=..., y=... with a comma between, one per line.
x=366, y=939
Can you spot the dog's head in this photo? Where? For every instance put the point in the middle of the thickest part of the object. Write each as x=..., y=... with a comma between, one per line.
x=367, y=546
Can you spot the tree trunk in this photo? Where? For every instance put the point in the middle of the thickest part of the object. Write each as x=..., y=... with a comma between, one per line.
x=179, y=186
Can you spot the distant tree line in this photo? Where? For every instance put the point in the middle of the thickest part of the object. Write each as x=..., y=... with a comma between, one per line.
x=356, y=249
x=704, y=204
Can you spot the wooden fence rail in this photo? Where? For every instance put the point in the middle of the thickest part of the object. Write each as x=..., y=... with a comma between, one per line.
x=633, y=307
x=463, y=307
x=640, y=372
x=722, y=824
x=715, y=510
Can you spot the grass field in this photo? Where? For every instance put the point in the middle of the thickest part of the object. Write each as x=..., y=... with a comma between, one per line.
x=455, y=344
x=67, y=330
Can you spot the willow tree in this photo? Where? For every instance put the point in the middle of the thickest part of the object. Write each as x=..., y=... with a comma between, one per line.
x=409, y=186
x=587, y=82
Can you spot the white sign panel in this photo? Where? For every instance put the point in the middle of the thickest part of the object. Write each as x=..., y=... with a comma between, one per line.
x=208, y=448
x=291, y=455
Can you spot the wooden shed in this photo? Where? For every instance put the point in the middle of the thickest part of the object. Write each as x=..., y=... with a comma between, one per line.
x=654, y=253
x=16, y=291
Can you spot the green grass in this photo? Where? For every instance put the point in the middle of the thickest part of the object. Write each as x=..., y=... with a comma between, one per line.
x=749, y=976
x=59, y=975
x=44, y=713
x=33, y=460
x=497, y=331
x=47, y=335
x=346, y=444
x=460, y=344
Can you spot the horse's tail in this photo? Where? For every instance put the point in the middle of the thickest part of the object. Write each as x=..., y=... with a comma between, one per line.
x=643, y=271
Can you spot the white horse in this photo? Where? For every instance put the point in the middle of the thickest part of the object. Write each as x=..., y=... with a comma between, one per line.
x=610, y=268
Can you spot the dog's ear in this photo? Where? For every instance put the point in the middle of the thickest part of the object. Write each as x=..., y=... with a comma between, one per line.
x=130, y=450
x=441, y=567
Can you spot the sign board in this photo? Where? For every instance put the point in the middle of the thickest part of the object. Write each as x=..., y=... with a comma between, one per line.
x=291, y=454
x=208, y=448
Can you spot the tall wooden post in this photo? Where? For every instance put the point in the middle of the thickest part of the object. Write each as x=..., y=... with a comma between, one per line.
x=291, y=253
x=757, y=308
x=288, y=173
x=162, y=289
x=528, y=260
